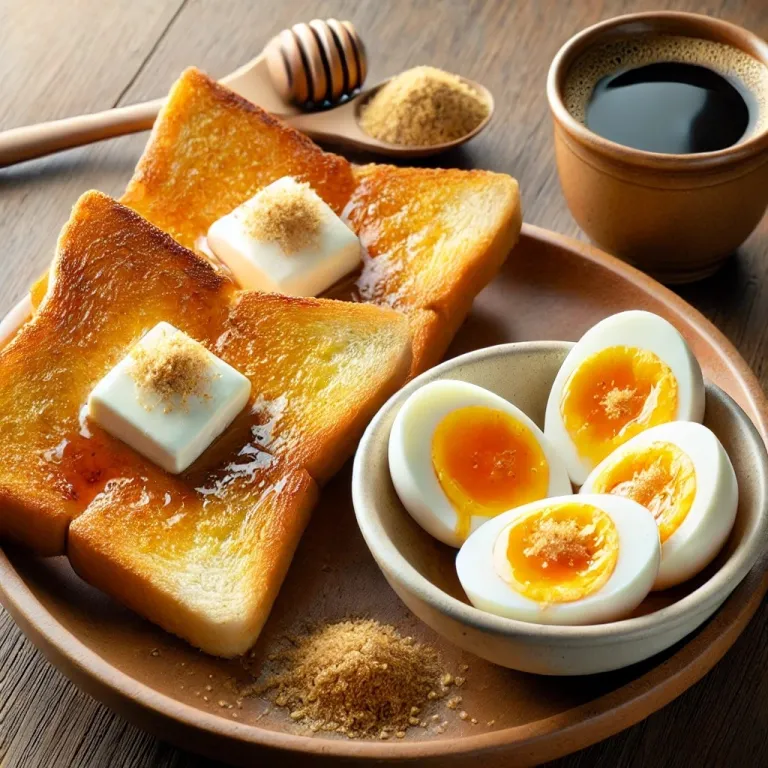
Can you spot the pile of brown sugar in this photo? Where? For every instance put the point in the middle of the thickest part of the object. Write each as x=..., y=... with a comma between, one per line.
x=175, y=366
x=287, y=216
x=360, y=678
x=423, y=106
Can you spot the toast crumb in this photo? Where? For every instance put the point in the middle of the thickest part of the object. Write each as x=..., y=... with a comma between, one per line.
x=176, y=366
x=453, y=702
x=423, y=106
x=556, y=539
x=357, y=677
x=289, y=217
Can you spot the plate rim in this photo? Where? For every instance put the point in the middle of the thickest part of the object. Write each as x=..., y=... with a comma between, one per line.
x=689, y=664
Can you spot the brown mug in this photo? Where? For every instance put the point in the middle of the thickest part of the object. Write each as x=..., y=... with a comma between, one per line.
x=676, y=216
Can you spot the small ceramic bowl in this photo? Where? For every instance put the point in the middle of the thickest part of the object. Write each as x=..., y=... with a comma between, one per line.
x=422, y=572
x=675, y=216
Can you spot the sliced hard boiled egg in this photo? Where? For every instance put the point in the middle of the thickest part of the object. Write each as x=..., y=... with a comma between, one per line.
x=681, y=473
x=460, y=455
x=628, y=373
x=583, y=559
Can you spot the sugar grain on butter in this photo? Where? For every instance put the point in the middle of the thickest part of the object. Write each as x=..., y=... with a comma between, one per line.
x=176, y=366
x=289, y=217
x=423, y=107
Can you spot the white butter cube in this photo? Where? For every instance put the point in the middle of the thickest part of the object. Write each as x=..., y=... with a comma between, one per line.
x=169, y=398
x=285, y=239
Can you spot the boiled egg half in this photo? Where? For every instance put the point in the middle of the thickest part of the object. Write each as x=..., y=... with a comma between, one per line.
x=460, y=455
x=681, y=473
x=630, y=372
x=583, y=559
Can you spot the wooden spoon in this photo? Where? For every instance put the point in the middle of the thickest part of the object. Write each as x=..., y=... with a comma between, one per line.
x=320, y=63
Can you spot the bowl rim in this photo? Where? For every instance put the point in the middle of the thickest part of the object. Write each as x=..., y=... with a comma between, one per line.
x=398, y=568
x=748, y=42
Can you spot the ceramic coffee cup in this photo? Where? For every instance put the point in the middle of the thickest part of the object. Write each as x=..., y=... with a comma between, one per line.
x=676, y=216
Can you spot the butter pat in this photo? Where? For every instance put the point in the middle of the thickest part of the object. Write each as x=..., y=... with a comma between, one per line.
x=169, y=398
x=285, y=239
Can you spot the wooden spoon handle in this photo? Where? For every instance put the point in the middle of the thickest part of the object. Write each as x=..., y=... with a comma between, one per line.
x=31, y=141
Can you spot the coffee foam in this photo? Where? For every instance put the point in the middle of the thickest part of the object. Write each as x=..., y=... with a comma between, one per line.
x=639, y=50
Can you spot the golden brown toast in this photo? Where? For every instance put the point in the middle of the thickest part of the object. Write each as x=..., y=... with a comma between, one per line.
x=203, y=553
x=434, y=238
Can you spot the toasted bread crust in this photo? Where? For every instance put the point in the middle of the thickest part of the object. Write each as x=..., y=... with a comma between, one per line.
x=31, y=521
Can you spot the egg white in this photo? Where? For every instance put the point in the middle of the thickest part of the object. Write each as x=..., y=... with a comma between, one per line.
x=634, y=328
x=710, y=519
x=628, y=585
x=410, y=454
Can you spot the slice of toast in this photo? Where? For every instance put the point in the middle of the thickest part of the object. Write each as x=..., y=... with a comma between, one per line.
x=168, y=545
x=434, y=237
x=206, y=565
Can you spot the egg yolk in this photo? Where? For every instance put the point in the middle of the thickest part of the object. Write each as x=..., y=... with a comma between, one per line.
x=661, y=477
x=614, y=395
x=487, y=462
x=562, y=553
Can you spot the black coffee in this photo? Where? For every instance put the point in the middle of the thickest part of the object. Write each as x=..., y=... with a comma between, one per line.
x=670, y=107
x=668, y=93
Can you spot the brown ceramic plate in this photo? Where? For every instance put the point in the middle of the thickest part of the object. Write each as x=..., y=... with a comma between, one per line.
x=551, y=288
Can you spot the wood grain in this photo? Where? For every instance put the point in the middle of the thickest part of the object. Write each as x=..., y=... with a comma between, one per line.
x=65, y=58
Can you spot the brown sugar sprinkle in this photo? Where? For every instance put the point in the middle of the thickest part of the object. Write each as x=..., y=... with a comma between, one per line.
x=645, y=484
x=357, y=677
x=423, y=106
x=175, y=366
x=558, y=539
x=289, y=216
x=617, y=402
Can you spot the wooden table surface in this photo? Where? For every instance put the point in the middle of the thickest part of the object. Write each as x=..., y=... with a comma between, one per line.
x=74, y=56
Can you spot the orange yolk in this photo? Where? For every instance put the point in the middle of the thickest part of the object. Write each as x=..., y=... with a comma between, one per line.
x=487, y=462
x=562, y=553
x=660, y=477
x=614, y=395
